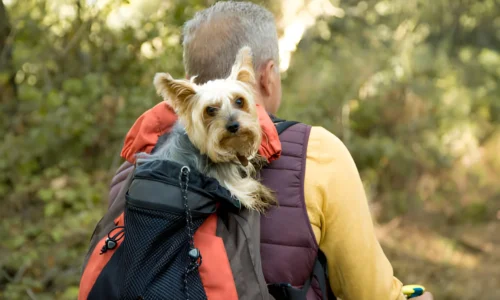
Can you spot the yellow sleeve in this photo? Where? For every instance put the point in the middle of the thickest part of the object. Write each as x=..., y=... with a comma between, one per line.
x=339, y=214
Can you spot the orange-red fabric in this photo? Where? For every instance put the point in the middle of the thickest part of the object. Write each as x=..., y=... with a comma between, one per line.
x=144, y=134
x=96, y=263
x=215, y=270
x=270, y=146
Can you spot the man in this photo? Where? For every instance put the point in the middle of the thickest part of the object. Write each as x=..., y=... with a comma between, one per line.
x=335, y=204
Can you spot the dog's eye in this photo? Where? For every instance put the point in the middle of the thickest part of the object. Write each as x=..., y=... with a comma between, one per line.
x=239, y=102
x=211, y=111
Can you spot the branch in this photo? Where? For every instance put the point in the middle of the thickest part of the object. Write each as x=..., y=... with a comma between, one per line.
x=31, y=294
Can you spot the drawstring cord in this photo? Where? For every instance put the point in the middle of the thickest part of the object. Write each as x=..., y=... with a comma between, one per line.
x=112, y=241
x=194, y=253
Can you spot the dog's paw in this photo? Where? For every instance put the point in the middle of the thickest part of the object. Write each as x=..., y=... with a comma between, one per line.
x=259, y=162
x=264, y=199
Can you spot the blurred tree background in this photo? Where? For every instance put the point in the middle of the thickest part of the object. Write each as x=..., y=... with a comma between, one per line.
x=411, y=86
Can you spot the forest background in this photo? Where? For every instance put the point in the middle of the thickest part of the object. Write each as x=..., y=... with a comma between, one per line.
x=410, y=86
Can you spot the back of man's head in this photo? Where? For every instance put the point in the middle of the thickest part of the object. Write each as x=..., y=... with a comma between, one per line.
x=214, y=36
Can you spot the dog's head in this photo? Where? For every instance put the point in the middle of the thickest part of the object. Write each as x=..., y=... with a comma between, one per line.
x=220, y=116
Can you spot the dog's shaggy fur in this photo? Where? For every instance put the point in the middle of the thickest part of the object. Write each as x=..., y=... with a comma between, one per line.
x=218, y=131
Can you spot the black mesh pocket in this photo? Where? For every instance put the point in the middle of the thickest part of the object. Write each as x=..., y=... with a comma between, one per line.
x=165, y=205
x=155, y=256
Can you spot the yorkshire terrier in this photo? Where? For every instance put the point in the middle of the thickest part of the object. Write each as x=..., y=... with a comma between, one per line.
x=218, y=130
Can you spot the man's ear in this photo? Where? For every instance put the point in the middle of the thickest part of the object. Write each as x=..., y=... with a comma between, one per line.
x=176, y=92
x=242, y=69
x=267, y=77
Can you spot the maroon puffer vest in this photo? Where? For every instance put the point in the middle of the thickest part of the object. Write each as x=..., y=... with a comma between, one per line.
x=288, y=245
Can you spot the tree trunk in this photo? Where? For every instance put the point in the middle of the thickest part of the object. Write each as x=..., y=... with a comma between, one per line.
x=7, y=74
x=7, y=83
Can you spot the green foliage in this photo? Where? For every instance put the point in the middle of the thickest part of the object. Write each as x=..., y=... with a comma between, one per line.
x=80, y=86
x=411, y=86
x=412, y=89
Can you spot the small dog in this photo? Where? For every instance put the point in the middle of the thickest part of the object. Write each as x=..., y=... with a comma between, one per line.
x=218, y=131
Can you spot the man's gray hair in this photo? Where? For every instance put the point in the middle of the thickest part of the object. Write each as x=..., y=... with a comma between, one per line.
x=213, y=37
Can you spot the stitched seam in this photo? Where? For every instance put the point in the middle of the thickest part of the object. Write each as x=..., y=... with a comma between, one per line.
x=284, y=245
x=290, y=142
x=293, y=156
x=283, y=169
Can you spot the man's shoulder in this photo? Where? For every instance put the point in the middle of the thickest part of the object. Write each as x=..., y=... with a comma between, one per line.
x=321, y=134
x=324, y=144
x=322, y=138
x=325, y=149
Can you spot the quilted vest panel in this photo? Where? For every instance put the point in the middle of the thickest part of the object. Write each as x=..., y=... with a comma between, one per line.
x=288, y=244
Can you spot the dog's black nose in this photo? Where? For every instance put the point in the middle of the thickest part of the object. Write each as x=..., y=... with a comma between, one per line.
x=233, y=126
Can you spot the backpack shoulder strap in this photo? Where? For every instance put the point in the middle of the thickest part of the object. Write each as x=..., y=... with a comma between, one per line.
x=281, y=127
x=281, y=124
x=321, y=274
x=285, y=291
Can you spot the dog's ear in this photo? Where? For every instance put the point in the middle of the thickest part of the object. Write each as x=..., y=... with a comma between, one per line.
x=242, y=69
x=176, y=92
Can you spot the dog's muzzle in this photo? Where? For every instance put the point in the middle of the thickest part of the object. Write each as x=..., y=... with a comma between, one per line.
x=233, y=126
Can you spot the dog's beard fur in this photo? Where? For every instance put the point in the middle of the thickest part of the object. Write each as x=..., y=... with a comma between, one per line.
x=223, y=146
x=210, y=136
x=201, y=138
